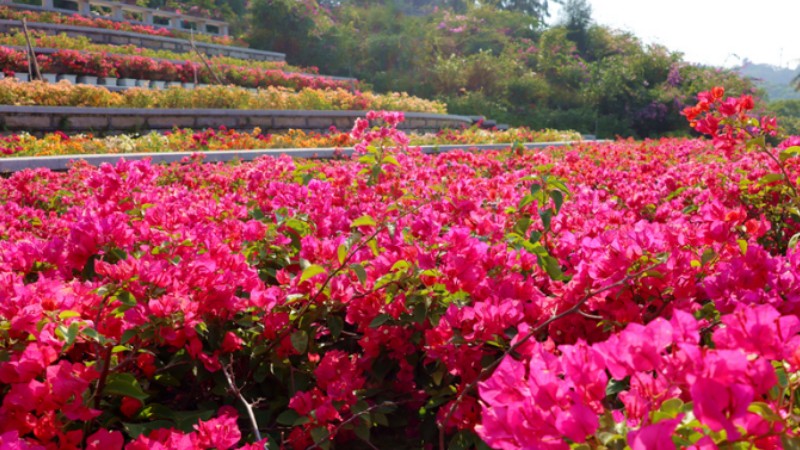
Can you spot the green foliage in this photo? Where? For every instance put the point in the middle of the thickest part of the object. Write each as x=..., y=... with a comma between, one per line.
x=488, y=59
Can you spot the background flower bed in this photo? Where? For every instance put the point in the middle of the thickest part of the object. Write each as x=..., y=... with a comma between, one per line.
x=639, y=293
x=74, y=62
x=182, y=140
x=13, y=92
x=7, y=13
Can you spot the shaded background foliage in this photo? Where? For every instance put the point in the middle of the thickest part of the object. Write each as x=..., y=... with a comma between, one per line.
x=496, y=58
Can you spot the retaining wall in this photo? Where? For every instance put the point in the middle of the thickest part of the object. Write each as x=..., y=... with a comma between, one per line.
x=42, y=119
x=8, y=165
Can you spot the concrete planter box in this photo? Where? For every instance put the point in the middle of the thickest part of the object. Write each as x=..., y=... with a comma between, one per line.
x=88, y=79
x=22, y=76
x=106, y=81
x=157, y=84
x=50, y=77
x=126, y=82
x=173, y=84
x=71, y=78
x=188, y=85
x=143, y=83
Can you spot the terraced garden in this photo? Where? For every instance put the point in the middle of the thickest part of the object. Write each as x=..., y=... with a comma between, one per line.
x=424, y=285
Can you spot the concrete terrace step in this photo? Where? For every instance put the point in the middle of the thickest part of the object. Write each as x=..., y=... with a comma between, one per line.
x=9, y=165
x=42, y=119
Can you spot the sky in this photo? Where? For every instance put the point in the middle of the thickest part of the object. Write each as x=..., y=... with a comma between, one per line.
x=713, y=32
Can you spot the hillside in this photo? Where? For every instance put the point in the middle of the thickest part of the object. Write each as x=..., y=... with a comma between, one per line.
x=775, y=81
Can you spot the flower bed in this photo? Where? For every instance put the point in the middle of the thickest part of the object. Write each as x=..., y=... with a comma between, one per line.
x=182, y=140
x=74, y=62
x=13, y=92
x=7, y=13
x=65, y=42
x=631, y=293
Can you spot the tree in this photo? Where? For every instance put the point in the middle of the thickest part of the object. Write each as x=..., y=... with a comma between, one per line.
x=536, y=8
x=577, y=16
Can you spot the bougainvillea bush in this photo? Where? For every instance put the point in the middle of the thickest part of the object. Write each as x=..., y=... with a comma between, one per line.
x=7, y=13
x=641, y=294
x=40, y=93
x=102, y=64
x=184, y=139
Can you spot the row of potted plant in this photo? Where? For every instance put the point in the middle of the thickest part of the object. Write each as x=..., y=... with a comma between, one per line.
x=131, y=67
x=14, y=92
x=63, y=41
x=181, y=140
x=7, y=13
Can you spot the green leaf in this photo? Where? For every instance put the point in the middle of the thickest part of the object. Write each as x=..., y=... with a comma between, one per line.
x=335, y=325
x=742, y=246
x=793, y=241
x=124, y=384
x=522, y=225
x=126, y=298
x=364, y=220
x=342, y=253
x=790, y=442
x=360, y=273
x=391, y=160
x=68, y=315
x=553, y=268
x=299, y=341
x=672, y=406
x=708, y=256
x=135, y=430
x=765, y=411
x=128, y=335
x=362, y=429
x=558, y=199
x=379, y=320
x=547, y=216
x=321, y=437
x=770, y=178
x=288, y=417
x=790, y=152
x=614, y=387
x=525, y=201
x=311, y=271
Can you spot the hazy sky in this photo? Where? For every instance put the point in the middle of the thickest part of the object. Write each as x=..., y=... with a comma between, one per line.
x=716, y=32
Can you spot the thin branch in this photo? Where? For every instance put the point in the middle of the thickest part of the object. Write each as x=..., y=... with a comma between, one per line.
x=247, y=405
x=349, y=420
x=488, y=369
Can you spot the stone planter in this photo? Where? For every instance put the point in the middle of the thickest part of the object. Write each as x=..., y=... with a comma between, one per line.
x=188, y=85
x=173, y=84
x=71, y=78
x=126, y=82
x=49, y=77
x=157, y=84
x=22, y=76
x=106, y=81
x=88, y=79
x=143, y=83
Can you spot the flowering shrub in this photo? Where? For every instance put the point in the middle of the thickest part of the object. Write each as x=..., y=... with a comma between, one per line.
x=13, y=92
x=7, y=13
x=130, y=66
x=604, y=295
x=65, y=42
x=182, y=140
